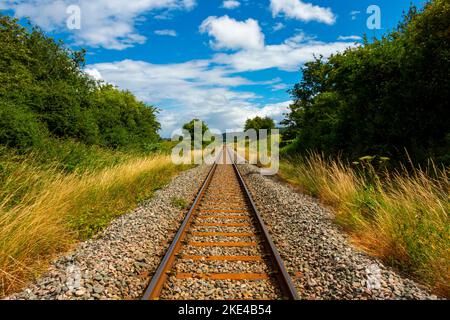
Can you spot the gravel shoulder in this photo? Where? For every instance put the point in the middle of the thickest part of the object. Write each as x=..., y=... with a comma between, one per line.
x=323, y=264
x=317, y=254
x=119, y=262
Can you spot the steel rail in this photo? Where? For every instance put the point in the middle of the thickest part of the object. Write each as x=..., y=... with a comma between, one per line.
x=284, y=279
x=160, y=276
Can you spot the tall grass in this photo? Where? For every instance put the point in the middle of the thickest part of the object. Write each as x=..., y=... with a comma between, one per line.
x=43, y=211
x=401, y=216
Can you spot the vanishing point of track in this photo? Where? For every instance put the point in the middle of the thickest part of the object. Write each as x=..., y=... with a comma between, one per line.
x=220, y=241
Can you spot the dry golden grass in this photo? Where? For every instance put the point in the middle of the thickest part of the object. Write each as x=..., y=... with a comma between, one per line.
x=253, y=152
x=43, y=212
x=402, y=217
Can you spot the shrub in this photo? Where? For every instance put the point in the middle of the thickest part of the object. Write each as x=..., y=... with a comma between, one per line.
x=19, y=127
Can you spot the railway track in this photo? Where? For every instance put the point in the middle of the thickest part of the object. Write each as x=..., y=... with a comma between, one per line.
x=222, y=249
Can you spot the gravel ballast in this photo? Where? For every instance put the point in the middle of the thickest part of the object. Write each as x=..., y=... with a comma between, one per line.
x=118, y=263
x=318, y=255
x=323, y=264
x=197, y=274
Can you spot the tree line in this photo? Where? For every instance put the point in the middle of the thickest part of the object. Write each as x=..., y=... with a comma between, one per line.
x=389, y=97
x=45, y=94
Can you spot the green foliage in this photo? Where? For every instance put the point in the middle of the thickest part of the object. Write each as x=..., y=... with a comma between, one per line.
x=18, y=170
x=125, y=197
x=259, y=123
x=400, y=216
x=124, y=121
x=190, y=126
x=381, y=98
x=179, y=203
x=19, y=127
x=70, y=156
x=45, y=94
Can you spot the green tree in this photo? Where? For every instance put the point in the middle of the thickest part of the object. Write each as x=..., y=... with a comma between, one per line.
x=43, y=84
x=259, y=123
x=382, y=97
x=189, y=126
x=19, y=127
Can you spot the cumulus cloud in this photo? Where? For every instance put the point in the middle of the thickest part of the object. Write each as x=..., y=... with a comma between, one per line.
x=299, y=10
x=275, y=111
x=229, y=33
x=104, y=23
x=94, y=73
x=207, y=89
x=194, y=89
x=287, y=56
x=186, y=90
x=166, y=32
x=231, y=4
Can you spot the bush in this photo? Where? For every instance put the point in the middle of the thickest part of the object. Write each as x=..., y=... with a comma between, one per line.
x=61, y=100
x=382, y=97
x=19, y=127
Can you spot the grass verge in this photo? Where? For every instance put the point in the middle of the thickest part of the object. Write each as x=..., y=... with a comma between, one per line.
x=45, y=209
x=401, y=217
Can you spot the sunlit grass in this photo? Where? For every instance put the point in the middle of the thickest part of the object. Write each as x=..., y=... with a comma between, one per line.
x=257, y=152
x=45, y=211
x=401, y=217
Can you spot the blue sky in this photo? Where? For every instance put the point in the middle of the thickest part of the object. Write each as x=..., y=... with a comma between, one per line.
x=221, y=61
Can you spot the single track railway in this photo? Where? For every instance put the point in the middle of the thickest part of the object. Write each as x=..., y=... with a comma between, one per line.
x=222, y=250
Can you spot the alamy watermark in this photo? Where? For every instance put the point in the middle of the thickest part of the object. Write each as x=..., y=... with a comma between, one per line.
x=259, y=148
x=73, y=277
x=73, y=21
x=374, y=20
x=373, y=273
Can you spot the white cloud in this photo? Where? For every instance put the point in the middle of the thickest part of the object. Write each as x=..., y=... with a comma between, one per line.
x=231, y=34
x=104, y=23
x=346, y=38
x=279, y=26
x=231, y=4
x=280, y=86
x=206, y=89
x=194, y=89
x=275, y=111
x=185, y=90
x=94, y=73
x=166, y=32
x=288, y=56
x=296, y=9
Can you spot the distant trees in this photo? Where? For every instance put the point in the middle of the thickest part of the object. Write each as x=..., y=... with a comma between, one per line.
x=44, y=93
x=189, y=126
x=259, y=123
x=383, y=97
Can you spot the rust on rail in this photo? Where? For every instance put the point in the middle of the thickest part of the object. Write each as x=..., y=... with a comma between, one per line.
x=224, y=217
x=223, y=211
x=223, y=276
x=223, y=244
x=214, y=224
x=223, y=258
x=224, y=234
x=222, y=198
